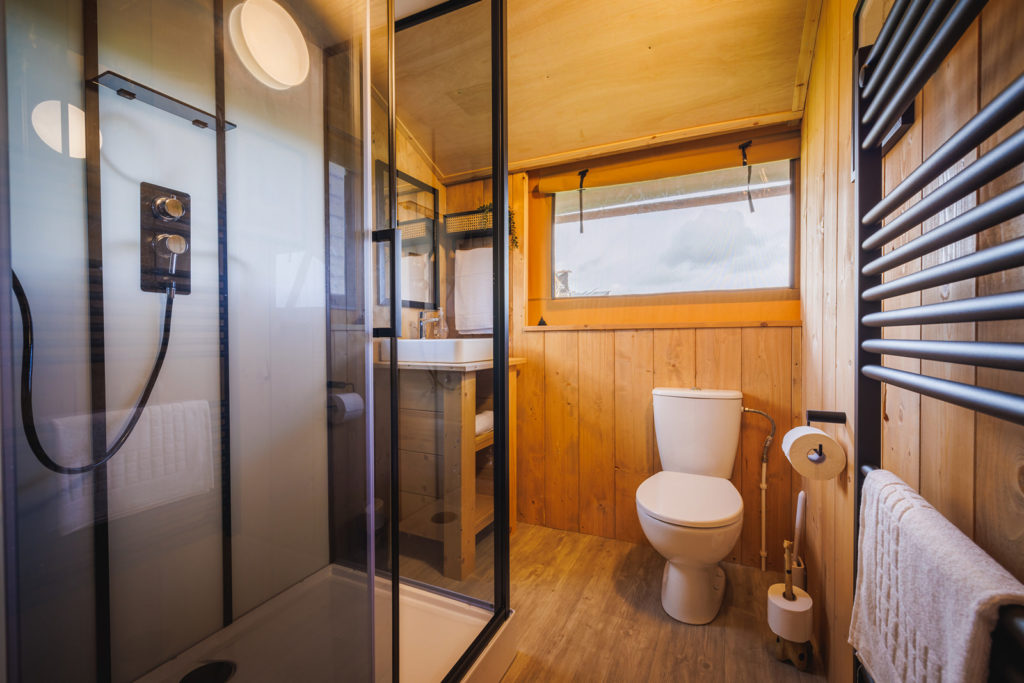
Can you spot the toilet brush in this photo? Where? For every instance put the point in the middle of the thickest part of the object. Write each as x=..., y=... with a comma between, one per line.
x=789, y=616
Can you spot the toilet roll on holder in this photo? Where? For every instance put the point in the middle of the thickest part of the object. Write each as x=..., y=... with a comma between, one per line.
x=830, y=416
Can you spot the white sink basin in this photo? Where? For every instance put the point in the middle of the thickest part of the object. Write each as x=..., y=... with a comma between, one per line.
x=446, y=350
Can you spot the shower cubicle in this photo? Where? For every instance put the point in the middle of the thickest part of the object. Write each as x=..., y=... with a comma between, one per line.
x=201, y=254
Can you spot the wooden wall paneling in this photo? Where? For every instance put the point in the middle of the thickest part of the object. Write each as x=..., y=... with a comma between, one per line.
x=948, y=101
x=828, y=53
x=796, y=406
x=674, y=358
x=513, y=448
x=531, y=471
x=817, y=558
x=718, y=359
x=597, y=433
x=766, y=385
x=519, y=205
x=635, y=457
x=999, y=445
x=846, y=351
x=901, y=433
x=561, y=431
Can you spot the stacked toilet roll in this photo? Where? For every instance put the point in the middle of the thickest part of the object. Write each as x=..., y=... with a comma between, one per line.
x=815, y=455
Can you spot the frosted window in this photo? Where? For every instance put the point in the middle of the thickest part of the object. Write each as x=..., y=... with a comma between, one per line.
x=692, y=233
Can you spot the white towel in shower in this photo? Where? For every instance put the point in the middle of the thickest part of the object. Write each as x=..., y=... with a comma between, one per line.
x=484, y=422
x=416, y=278
x=168, y=457
x=474, y=291
x=927, y=597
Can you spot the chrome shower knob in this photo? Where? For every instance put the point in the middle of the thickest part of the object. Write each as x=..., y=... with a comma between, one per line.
x=170, y=247
x=168, y=208
x=173, y=244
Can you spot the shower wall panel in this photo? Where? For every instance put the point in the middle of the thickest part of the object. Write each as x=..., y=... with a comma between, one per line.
x=275, y=194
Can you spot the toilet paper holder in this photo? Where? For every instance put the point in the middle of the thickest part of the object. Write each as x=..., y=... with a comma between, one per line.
x=830, y=416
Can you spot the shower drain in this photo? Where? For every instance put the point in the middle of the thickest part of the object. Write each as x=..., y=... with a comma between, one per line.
x=216, y=671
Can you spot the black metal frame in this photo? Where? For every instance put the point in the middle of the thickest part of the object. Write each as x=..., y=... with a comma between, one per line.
x=97, y=364
x=12, y=646
x=381, y=173
x=222, y=126
x=499, y=156
x=915, y=38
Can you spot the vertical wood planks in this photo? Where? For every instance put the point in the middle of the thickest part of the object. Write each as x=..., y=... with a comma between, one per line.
x=561, y=430
x=597, y=433
x=949, y=100
x=635, y=458
x=531, y=473
x=901, y=436
x=766, y=386
x=999, y=445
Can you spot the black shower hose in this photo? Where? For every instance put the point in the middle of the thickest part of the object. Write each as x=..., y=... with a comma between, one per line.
x=28, y=417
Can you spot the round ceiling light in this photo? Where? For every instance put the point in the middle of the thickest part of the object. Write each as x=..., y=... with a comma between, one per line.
x=269, y=43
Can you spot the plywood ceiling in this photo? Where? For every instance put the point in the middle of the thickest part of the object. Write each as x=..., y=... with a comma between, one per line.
x=598, y=76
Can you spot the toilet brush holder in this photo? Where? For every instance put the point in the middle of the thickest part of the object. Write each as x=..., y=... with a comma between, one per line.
x=799, y=573
x=791, y=622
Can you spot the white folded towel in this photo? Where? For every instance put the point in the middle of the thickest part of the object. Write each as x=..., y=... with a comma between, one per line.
x=168, y=457
x=484, y=422
x=474, y=291
x=927, y=597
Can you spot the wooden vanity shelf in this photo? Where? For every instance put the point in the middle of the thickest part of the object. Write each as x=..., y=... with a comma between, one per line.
x=438, y=447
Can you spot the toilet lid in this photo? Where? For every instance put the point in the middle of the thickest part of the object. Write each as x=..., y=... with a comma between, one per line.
x=692, y=500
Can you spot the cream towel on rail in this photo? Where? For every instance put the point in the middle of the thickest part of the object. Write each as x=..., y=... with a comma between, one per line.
x=927, y=597
x=168, y=457
x=474, y=287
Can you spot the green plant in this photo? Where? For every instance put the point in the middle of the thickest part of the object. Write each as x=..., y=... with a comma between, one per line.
x=513, y=237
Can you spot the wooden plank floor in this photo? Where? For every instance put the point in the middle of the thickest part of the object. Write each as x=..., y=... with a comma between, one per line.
x=590, y=610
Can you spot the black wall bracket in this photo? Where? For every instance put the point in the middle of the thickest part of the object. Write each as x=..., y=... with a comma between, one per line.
x=831, y=416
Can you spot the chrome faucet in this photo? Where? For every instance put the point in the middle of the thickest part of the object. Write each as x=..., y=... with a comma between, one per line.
x=435, y=317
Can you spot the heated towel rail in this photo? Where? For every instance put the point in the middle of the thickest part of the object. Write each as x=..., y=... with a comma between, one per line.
x=915, y=38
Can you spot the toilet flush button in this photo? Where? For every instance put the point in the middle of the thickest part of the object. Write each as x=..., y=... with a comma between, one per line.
x=168, y=208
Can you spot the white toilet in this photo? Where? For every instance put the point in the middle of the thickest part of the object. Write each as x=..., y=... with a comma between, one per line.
x=690, y=511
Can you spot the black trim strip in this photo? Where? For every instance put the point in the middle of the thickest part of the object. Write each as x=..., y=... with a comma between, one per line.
x=960, y=17
x=992, y=307
x=996, y=210
x=8, y=461
x=431, y=13
x=994, y=259
x=989, y=401
x=899, y=56
x=1002, y=158
x=882, y=42
x=991, y=118
x=97, y=361
x=1004, y=355
x=396, y=324
x=227, y=594
x=499, y=170
x=499, y=184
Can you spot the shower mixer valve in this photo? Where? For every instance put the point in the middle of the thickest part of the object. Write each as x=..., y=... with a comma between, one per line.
x=165, y=240
x=170, y=247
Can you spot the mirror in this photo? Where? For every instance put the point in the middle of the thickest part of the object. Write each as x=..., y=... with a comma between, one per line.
x=417, y=220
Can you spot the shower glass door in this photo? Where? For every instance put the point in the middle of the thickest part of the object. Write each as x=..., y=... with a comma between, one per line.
x=189, y=184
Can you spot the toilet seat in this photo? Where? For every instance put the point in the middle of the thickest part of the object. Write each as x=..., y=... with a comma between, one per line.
x=690, y=500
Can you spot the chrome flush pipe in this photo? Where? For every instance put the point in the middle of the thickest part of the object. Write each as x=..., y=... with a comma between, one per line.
x=764, y=479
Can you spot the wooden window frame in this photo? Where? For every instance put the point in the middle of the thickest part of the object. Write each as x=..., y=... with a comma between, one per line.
x=715, y=308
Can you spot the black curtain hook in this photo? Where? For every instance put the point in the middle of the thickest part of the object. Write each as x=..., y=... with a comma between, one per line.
x=582, y=174
x=743, y=151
